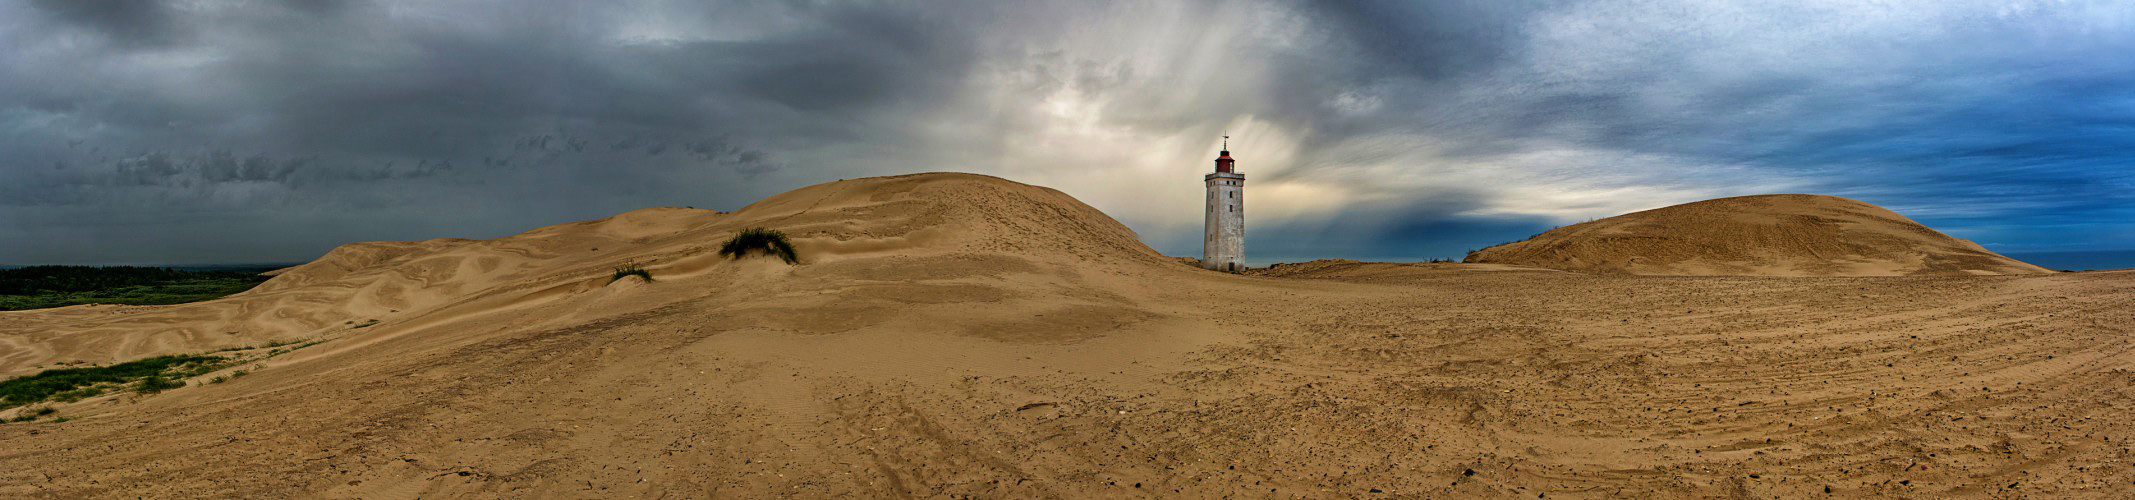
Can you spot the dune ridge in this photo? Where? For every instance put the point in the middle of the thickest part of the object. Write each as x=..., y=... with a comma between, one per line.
x=958, y=335
x=1766, y=235
x=920, y=215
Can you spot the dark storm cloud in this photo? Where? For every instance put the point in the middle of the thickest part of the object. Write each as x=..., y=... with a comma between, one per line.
x=1425, y=228
x=125, y=22
x=247, y=129
x=2027, y=123
x=534, y=113
x=1428, y=40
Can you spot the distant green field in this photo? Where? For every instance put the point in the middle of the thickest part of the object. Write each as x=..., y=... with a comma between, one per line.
x=38, y=287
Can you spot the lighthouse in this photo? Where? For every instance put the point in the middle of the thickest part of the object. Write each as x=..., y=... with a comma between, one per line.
x=1223, y=241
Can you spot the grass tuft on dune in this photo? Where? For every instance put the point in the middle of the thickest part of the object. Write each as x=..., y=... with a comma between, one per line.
x=760, y=240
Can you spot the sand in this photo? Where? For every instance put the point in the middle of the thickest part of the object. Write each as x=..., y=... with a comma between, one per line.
x=950, y=334
x=1769, y=235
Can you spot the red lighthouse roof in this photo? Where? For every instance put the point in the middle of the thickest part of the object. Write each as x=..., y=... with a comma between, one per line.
x=1223, y=160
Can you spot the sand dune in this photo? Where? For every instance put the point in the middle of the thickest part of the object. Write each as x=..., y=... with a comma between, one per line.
x=354, y=284
x=951, y=334
x=934, y=218
x=1770, y=235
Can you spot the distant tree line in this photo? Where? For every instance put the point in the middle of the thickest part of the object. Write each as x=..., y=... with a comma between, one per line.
x=39, y=287
x=69, y=279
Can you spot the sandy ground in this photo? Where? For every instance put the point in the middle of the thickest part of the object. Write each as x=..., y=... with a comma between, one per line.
x=954, y=335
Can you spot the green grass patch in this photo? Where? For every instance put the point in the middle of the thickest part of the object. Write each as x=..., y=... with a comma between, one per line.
x=157, y=383
x=37, y=287
x=629, y=269
x=268, y=345
x=289, y=349
x=80, y=394
x=762, y=241
x=147, y=376
x=31, y=415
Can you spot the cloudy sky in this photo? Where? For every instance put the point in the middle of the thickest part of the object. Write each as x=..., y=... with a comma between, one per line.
x=200, y=131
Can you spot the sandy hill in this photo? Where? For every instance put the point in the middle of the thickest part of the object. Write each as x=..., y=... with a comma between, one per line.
x=968, y=224
x=951, y=335
x=1769, y=235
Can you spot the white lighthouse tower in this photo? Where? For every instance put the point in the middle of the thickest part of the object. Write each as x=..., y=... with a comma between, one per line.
x=1223, y=242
